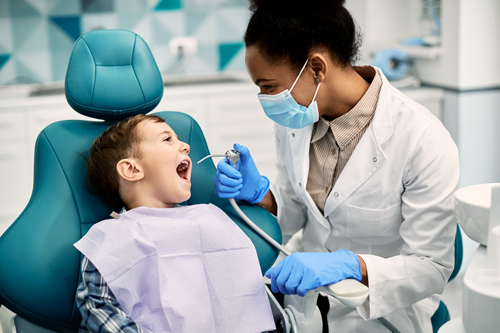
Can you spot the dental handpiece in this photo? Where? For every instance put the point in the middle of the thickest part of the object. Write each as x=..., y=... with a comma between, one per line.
x=231, y=155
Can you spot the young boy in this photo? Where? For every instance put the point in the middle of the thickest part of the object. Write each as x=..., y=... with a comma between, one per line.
x=159, y=267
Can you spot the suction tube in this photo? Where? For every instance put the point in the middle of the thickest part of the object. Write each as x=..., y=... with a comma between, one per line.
x=234, y=156
x=258, y=230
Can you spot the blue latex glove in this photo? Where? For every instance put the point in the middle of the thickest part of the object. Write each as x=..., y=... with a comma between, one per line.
x=242, y=183
x=303, y=271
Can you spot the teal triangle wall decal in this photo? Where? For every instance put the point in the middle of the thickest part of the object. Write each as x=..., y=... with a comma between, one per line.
x=169, y=5
x=227, y=51
x=3, y=59
x=70, y=24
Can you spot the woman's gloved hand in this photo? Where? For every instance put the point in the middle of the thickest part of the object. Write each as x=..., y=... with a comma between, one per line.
x=303, y=271
x=242, y=183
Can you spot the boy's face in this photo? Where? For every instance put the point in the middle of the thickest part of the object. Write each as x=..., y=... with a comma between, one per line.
x=165, y=163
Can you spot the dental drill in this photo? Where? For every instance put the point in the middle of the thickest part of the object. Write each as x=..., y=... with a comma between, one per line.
x=349, y=292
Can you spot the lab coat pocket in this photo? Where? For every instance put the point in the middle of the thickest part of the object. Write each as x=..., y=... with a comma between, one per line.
x=373, y=226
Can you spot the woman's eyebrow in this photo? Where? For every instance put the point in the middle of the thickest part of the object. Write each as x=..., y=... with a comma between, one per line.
x=259, y=81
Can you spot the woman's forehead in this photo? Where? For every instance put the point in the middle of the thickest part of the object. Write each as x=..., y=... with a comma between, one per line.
x=259, y=68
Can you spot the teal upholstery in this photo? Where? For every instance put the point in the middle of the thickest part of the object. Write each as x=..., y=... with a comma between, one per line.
x=442, y=315
x=459, y=253
x=39, y=267
x=112, y=75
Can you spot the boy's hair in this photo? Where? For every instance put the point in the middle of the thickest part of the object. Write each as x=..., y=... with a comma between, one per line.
x=119, y=141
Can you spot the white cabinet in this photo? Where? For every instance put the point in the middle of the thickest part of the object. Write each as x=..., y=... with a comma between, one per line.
x=227, y=113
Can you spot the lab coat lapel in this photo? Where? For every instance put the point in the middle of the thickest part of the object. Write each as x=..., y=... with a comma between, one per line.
x=368, y=155
x=299, y=144
x=300, y=141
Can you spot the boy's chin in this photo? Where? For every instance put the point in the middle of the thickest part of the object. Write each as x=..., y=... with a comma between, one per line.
x=186, y=197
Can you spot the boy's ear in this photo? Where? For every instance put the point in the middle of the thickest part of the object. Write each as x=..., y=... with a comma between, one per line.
x=129, y=170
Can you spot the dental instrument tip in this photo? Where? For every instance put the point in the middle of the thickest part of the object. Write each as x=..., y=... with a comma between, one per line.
x=212, y=155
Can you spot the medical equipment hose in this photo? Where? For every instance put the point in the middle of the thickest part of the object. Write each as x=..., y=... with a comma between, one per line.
x=387, y=324
x=258, y=230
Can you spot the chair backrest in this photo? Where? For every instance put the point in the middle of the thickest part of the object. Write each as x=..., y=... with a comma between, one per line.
x=39, y=267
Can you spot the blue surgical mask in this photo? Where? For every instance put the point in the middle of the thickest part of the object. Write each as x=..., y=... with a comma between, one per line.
x=284, y=110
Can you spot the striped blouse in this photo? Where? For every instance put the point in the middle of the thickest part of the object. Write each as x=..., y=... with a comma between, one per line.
x=332, y=142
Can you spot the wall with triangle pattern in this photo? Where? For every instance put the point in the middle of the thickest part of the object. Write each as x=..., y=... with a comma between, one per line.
x=36, y=36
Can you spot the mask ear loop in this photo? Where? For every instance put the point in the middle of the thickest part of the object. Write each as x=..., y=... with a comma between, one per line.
x=293, y=85
x=317, y=89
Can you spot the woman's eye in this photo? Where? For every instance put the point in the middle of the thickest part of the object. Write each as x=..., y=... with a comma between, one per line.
x=268, y=89
x=167, y=139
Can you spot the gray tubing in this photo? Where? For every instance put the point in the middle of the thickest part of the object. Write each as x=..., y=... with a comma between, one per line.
x=387, y=324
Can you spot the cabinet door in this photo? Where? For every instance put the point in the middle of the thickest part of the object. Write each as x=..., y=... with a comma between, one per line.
x=193, y=107
x=12, y=124
x=240, y=119
x=16, y=182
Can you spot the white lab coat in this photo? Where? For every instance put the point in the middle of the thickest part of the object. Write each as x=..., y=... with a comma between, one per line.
x=392, y=205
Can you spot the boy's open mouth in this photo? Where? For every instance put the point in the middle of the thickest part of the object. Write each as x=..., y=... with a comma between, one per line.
x=182, y=169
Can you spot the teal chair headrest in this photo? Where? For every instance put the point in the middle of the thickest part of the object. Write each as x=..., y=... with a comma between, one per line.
x=112, y=75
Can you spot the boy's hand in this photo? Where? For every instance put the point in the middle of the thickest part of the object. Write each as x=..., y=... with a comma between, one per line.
x=242, y=183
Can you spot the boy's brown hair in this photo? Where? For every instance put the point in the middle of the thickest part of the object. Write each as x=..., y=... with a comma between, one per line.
x=119, y=141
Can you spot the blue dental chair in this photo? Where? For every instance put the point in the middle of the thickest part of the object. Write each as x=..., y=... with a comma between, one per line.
x=111, y=75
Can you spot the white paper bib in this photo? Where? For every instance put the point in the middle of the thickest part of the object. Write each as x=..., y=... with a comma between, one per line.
x=188, y=269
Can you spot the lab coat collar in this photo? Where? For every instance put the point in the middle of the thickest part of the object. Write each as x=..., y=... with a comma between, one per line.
x=382, y=120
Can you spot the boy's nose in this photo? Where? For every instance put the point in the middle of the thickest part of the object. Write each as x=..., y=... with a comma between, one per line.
x=185, y=147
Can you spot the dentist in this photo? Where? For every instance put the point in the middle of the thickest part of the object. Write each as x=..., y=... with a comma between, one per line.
x=365, y=175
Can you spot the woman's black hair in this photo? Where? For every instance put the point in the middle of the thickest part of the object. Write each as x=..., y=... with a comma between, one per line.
x=289, y=30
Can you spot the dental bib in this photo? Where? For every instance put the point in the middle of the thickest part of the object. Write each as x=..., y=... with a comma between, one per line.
x=186, y=269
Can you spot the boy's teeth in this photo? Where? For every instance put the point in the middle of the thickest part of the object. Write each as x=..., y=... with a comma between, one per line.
x=183, y=166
